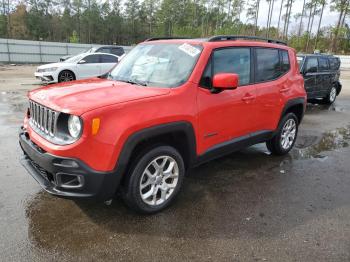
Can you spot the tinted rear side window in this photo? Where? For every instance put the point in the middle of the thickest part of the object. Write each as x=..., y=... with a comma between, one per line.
x=323, y=64
x=267, y=64
x=104, y=50
x=117, y=51
x=311, y=65
x=334, y=63
x=92, y=59
x=233, y=60
x=285, y=64
x=109, y=59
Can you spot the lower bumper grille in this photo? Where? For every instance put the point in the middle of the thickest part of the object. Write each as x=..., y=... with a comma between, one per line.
x=47, y=175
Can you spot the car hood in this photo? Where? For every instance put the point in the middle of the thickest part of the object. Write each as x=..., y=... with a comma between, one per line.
x=53, y=65
x=66, y=57
x=81, y=96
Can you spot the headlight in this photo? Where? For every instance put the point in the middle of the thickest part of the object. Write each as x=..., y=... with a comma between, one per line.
x=74, y=126
x=51, y=69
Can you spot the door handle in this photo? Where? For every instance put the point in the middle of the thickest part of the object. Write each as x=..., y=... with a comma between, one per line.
x=284, y=89
x=248, y=97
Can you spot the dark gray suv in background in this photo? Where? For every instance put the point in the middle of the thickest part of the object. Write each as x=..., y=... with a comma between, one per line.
x=107, y=49
x=321, y=75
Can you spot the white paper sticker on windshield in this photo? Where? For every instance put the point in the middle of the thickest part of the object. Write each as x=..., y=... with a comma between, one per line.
x=188, y=49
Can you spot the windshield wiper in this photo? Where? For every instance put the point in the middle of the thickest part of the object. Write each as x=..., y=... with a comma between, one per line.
x=133, y=82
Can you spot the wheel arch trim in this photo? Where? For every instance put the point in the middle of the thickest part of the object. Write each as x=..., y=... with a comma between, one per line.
x=152, y=132
x=299, y=101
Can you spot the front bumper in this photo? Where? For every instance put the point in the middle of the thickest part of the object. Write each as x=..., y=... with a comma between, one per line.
x=66, y=177
x=49, y=77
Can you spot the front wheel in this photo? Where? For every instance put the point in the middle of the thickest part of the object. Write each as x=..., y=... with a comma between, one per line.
x=285, y=137
x=331, y=96
x=66, y=76
x=154, y=180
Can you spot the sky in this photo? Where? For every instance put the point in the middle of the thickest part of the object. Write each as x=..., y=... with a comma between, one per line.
x=329, y=18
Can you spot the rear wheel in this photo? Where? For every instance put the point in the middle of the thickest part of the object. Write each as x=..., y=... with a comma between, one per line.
x=286, y=135
x=154, y=180
x=331, y=96
x=66, y=76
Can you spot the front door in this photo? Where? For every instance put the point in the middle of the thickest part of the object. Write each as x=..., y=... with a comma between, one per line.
x=228, y=114
x=89, y=66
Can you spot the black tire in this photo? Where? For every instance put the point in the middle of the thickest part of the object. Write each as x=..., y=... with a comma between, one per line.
x=332, y=96
x=275, y=144
x=66, y=76
x=131, y=192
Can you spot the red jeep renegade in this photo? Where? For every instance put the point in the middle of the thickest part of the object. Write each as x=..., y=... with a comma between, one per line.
x=169, y=105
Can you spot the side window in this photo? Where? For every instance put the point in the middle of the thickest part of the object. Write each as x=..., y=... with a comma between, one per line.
x=91, y=59
x=311, y=65
x=285, y=64
x=267, y=64
x=323, y=64
x=109, y=59
x=117, y=51
x=233, y=60
x=104, y=50
x=334, y=63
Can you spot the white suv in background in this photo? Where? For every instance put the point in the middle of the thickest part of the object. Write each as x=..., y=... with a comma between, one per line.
x=77, y=67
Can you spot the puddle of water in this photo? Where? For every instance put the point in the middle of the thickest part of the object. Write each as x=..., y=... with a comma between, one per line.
x=319, y=107
x=333, y=140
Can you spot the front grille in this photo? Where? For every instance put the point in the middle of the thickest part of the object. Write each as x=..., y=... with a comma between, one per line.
x=43, y=118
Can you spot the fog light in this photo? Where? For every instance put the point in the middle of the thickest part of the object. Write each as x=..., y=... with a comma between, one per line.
x=69, y=180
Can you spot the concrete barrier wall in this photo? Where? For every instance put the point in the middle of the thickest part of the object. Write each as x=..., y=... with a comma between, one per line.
x=344, y=61
x=24, y=51
x=36, y=52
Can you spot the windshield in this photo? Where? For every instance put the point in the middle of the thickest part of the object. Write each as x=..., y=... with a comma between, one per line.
x=159, y=65
x=91, y=50
x=74, y=59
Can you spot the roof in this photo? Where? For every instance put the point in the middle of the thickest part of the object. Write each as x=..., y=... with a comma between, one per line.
x=221, y=38
x=99, y=53
x=317, y=55
x=223, y=41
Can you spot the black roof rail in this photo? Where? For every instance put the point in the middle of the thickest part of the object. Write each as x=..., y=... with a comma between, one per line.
x=244, y=37
x=165, y=38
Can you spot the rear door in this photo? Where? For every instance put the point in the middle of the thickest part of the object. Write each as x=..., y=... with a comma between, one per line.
x=334, y=64
x=272, y=86
x=107, y=62
x=228, y=114
x=324, y=77
x=310, y=73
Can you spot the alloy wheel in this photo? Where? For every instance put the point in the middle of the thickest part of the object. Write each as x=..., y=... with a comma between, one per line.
x=159, y=180
x=332, y=94
x=66, y=77
x=288, y=134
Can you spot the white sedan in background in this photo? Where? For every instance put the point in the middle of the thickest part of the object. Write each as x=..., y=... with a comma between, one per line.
x=77, y=67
